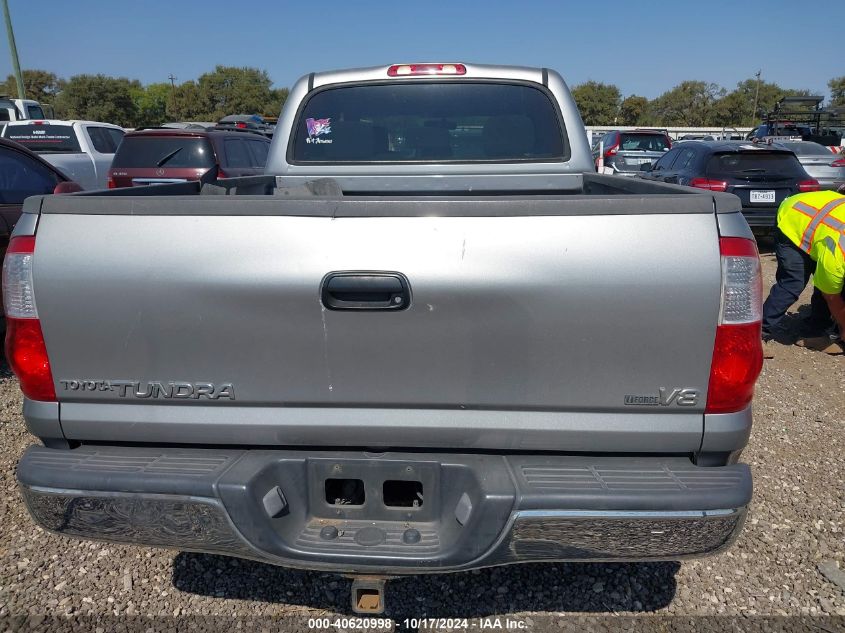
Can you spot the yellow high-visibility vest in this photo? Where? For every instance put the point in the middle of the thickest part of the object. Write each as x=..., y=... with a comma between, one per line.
x=815, y=223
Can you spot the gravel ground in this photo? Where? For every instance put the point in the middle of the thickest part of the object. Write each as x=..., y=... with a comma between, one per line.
x=795, y=529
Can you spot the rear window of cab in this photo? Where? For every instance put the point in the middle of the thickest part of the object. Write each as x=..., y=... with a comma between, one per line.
x=44, y=138
x=429, y=121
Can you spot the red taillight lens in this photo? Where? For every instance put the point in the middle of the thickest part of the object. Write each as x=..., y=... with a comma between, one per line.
x=808, y=185
x=710, y=185
x=737, y=361
x=738, y=349
x=24, y=244
x=26, y=351
x=839, y=162
x=240, y=125
x=27, y=356
x=409, y=70
x=110, y=183
x=221, y=173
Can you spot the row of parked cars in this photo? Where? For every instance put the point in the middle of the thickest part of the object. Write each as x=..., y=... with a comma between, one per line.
x=99, y=155
x=761, y=173
x=45, y=156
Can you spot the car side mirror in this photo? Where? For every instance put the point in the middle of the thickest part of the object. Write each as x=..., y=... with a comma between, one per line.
x=67, y=186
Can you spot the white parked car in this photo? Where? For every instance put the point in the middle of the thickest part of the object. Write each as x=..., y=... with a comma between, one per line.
x=82, y=150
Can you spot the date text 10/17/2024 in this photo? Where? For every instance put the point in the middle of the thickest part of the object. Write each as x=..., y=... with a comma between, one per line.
x=491, y=623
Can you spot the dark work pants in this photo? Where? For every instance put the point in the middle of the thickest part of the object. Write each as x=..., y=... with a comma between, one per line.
x=793, y=273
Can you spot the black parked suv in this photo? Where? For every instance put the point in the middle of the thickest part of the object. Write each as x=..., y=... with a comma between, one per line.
x=762, y=176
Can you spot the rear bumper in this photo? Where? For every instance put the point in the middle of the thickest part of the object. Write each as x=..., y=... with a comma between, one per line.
x=476, y=511
x=760, y=218
x=631, y=173
x=831, y=183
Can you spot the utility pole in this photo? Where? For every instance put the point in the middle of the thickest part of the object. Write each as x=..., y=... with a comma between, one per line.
x=14, y=50
x=756, y=95
x=172, y=95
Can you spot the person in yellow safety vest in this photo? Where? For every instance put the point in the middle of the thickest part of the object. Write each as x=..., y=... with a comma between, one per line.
x=810, y=239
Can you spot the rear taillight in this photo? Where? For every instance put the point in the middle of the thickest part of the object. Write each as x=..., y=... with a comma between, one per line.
x=26, y=351
x=611, y=151
x=738, y=349
x=710, y=185
x=221, y=173
x=839, y=162
x=240, y=125
x=409, y=70
x=110, y=183
x=808, y=185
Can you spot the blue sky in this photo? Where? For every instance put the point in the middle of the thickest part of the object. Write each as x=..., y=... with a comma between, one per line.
x=644, y=47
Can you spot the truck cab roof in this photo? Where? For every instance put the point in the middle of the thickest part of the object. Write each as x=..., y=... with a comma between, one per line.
x=426, y=71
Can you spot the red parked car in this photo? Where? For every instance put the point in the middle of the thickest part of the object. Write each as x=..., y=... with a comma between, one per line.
x=166, y=155
x=22, y=174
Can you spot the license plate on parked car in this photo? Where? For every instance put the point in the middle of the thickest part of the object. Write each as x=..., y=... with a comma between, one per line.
x=763, y=196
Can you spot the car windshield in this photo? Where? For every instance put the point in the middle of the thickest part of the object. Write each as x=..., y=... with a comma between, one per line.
x=44, y=138
x=430, y=122
x=643, y=142
x=754, y=161
x=163, y=151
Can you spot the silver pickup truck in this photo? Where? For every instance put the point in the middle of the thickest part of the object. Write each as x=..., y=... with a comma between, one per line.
x=82, y=150
x=430, y=339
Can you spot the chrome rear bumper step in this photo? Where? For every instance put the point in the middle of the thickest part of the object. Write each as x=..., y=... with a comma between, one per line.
x=470, y=511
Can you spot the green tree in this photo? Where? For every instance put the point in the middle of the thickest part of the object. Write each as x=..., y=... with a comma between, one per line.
x=733, y=110
x=226, y=90
x=40, y=85
x=736, y=107
x=186, y=104
x=634, y=111
x=598, y=103
x=689, y=103
x=98, y=98
x=837, y=91
x=151, y=103
x=230, y=90
x=280, y=95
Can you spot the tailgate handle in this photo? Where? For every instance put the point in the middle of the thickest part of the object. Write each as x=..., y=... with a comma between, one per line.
x=365, y=291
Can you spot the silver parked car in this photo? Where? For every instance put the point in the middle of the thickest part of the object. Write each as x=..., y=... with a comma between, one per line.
x=818, y=161
x=624, y=153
